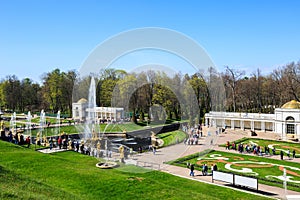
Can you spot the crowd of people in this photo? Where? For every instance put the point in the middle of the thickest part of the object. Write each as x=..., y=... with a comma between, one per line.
x=16, y=138
x=204, y=168
x=194, y=133
x=258, y=150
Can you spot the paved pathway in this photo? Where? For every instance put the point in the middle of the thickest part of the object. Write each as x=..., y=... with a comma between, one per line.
x=176, y=151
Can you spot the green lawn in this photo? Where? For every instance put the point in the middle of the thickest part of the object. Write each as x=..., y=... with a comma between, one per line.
x=268, y=171
x=171, y=138
x=27, y=174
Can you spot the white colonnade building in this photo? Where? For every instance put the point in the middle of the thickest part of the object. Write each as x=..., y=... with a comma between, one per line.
x=80, y=112
x=285, y=121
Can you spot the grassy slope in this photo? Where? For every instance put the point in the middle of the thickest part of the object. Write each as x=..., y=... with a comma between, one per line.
x=26, y=174
x=173, y=137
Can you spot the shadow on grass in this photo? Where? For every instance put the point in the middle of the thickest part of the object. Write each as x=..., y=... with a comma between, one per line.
x=252, y=190
x=161, y=137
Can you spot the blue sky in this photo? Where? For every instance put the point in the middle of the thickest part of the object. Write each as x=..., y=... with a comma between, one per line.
x=39, y=36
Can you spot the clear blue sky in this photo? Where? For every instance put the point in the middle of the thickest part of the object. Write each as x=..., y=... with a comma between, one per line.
x=39, y=36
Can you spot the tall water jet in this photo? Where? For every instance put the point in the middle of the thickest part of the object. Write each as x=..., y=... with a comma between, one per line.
x=42, y=125
x=29, y=117
x=57, y=132
x=92, y=140
x=91, y=115
x=13, y=124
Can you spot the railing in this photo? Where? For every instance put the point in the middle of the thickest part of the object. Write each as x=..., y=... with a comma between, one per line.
x=150, y=165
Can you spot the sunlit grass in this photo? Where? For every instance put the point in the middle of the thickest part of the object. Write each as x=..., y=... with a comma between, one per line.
x=27, y=174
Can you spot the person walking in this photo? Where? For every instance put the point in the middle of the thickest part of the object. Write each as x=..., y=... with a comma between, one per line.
x=59, y=142
x=294, y=153
x=288, y=153
x=51, y=143
x=192, y=168
x=281, y=155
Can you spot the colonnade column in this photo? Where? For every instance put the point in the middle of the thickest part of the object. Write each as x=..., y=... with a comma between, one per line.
x=232, y=124
x=263, y=126
x=206, y=121
x=252, y=125
x=242, y=125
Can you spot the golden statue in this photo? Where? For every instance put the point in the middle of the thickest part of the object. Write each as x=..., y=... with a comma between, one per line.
x=2, y=126
x=94, y=134
x=37, y=137
x=153, y=139
x=121, y=150
x=98, y=146
x=46, y=143
x=19, y=137
x=70, y=145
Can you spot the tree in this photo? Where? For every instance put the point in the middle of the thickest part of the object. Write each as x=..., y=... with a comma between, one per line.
x=29, y=99
x=57, y=90
x=231, y=78
x=12, y=92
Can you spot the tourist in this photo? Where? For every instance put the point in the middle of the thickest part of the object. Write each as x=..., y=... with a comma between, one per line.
x=192, y=170
x=247, y=148
x=82, y=149
x=77, y=146
x=188, y=165
x=16, y=138
x=294, y=153
x=205, y=169
x=233, y=146
x=154, y=150
x=274, y=151
x=109, y=153
x=227, y=145
x=51, y=143
x=21, y=139
x=28, y=141
x=215, y=167
x=266, y=150
x=59, y=141
x=281, y=155
x=288, y=153
x=10, y=136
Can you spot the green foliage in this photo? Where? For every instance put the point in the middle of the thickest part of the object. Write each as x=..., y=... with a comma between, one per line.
x=57, y=90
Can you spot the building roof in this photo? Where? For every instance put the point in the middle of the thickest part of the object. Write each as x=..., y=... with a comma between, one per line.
x=82, y=100
x=291, y=105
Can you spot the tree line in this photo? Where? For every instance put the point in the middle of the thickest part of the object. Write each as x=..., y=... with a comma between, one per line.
x=55, y=93
x=177, y=95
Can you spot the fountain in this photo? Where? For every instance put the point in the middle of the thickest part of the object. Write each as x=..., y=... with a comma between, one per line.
x=57, y=131
x=42, y=125
x=91, y=137
x=13, y=123
x=28, y=124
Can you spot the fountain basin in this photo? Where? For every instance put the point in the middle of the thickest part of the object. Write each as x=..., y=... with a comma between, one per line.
x=106, y=165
